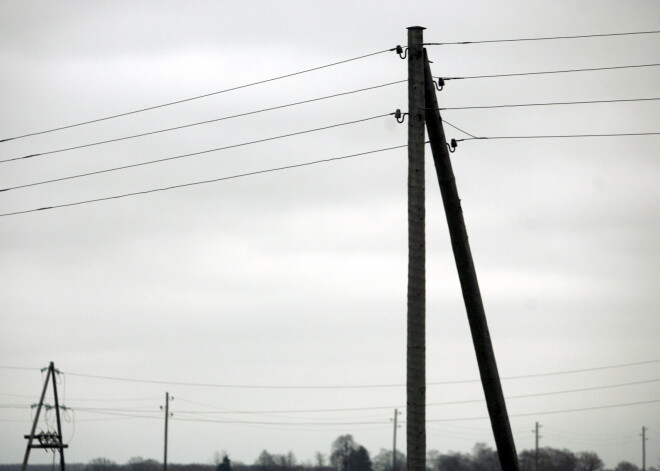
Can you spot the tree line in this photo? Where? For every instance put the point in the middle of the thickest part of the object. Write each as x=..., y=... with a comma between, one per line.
x=348, y=455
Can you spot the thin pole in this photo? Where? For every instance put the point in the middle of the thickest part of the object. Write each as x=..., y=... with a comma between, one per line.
x=643, y=448
x=536, y=448
x=36, y=417
x=396, y=413
x=57, y=414
x=416, y=350
x=167, y=414
x=467, y=274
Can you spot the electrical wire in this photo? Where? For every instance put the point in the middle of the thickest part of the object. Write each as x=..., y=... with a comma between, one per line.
x=562, y=411
x=369, y=386
x=196, y=97
x=547, y=38
x=542, y=104
x=276, y=169
x=181, y=156
x=384, y=422
x=549, y=72
x=560, y=136
x=458, y=129
x=429, y=404
x=219, y=148
x=98, y=143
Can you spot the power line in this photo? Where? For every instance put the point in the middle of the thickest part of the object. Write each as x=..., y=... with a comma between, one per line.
x=547, y=38
x=545, y=104
x=236, y=386
x=181, y=156
x=218, y=148
x=345, y=409
x=550, y=72
x=444, y=403
x=560, y=136
x=562, y=411
x=196, y=97
x=197, y=183
x=457, y=419
x=458, y=129
x=201, y=122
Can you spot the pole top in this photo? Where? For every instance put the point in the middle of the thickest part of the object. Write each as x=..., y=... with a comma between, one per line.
x=416, y=27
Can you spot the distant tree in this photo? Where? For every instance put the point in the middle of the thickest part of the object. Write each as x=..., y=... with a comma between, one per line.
x=101, y=464
x=626, y=466
x=319, y=459
x=383, y=461
x=550, y=459
x=453, y=461
x=137, y=463
x=265, y=461
x=588, y=461
x=485, y=458
x=360, y=460
x=431, y=458
x=347, y=455
x=225, y=465
x=340, y=452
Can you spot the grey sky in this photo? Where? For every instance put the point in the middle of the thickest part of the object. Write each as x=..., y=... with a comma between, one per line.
x=298, y=277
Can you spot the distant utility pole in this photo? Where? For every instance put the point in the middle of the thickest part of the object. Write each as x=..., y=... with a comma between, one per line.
x=47, y=440
x=167, y=416
x=536, y=447
x=396, y=413
x=644, y=448
x=416, y=349
x=490, y=378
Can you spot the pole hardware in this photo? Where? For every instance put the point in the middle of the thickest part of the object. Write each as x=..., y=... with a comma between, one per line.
x=440, y=85
x=400, y=117
x=452, y=146
x=403, y=53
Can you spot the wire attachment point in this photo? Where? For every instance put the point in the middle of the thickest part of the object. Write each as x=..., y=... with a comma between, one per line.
x=403, y=53
x=452, y=146
x=440, y=85
x=400, y=117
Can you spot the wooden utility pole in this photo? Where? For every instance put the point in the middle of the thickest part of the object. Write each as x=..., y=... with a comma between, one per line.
x=490, y=379
x=396, y=413
x=167, y=416
x=643, y=448
x=536, y=447
x=47, y=440
x=416, y=354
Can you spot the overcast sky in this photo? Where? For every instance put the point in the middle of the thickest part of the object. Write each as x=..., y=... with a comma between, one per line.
x=298, y=277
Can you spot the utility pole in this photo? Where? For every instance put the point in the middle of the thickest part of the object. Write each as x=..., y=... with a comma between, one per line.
x=396, y=413
x=416, y=298
x=644, y=448
x=167, y=415
x=536, y=447
x=490, y=379
x=47, y=440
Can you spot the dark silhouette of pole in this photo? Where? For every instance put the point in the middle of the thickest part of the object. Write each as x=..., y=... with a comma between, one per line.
x=396, y=413
x=47, y=440
x=51, y=368
x=483, y=347
x=536, y=447
x=416, y=350
x=167, y=416
x=36, y=419
x=643, y=448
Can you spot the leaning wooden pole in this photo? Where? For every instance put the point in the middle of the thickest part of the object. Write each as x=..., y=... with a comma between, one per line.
x=416, y=353
x=467, y=274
